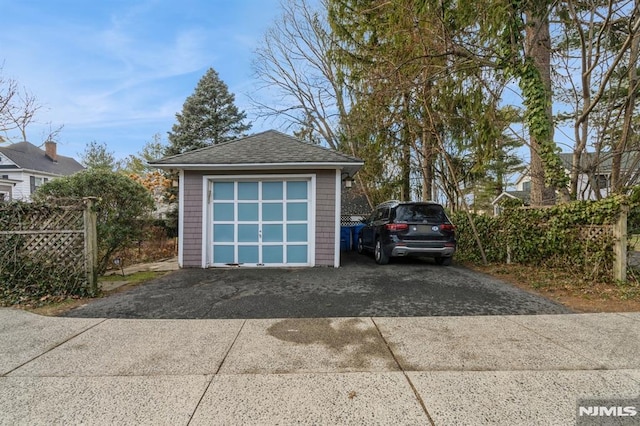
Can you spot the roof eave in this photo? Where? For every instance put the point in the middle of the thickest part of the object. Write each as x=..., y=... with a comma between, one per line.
x=10, y=181
x=502, y=195
x=351, y=166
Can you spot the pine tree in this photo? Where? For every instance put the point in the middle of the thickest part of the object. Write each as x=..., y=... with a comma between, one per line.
x=208, y=117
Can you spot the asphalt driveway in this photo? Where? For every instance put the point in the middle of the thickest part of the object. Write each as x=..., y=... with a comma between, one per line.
x=360, y=288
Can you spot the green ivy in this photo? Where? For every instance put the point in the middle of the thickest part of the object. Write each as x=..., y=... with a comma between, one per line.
x=536, y=97
x=24, y=280
x=549, y=237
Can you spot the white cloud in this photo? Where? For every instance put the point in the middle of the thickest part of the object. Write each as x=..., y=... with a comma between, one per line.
x=120, y=69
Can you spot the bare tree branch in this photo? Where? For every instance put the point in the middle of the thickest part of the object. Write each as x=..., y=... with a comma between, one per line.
x=17, y=108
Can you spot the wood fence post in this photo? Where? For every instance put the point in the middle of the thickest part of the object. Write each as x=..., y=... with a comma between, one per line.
x=90, y=245
x=620, y=246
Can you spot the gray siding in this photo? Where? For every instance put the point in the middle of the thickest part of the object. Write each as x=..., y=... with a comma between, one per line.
x=325, y=214
x=325, y=217
x=192, y=238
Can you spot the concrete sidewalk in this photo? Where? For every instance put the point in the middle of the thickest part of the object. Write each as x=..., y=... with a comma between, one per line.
x=402, y=371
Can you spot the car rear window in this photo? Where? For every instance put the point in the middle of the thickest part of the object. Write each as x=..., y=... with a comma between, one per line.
x=420, y=213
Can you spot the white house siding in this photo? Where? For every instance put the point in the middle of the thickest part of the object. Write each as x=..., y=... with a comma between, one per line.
x=193, y=208
x=6, y=191
x=22, y=189
x=586, y=192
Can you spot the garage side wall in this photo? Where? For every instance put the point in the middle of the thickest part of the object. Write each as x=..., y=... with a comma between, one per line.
x=325, y=217
x=325, y=214
x=192, y=238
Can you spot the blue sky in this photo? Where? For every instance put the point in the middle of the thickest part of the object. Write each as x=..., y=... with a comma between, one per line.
x=117, y=71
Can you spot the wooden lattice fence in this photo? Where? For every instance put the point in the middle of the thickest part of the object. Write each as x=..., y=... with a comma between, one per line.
x=48, y=249
x=616, y=234
x=594, y=233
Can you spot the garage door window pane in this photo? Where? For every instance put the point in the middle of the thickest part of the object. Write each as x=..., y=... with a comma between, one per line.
x=223, y=191
x=296, y=211
x=223, y=211
x=247, y=190
x=223, y=233
x=222, y=254
x=272, y=254
x=248, y=212
x=272, y=233
x=248, y=233
x=297, y=233
x=248, y=254
x=296, y=254
x=272, y=190
x=296, y=190
x=272, y=212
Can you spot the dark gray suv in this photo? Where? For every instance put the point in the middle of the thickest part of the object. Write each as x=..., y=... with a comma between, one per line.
x=408, y=229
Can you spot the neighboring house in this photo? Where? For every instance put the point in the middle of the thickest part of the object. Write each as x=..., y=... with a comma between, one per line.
x=498, y=202
x=6, y=188
x=264, y=200
x=24, y=167
x=594, y=174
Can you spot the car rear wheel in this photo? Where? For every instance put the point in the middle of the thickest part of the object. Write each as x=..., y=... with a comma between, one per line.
x=379, y=254
x=360, y=246
x=444, y=261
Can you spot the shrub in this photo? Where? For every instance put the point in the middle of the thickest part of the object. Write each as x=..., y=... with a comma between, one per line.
x=121, y=202
x=552, y=237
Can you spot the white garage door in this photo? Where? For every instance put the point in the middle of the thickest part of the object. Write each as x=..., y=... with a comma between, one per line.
x=261, y=222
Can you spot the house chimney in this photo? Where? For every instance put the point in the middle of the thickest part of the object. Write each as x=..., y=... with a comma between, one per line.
x=50, y=149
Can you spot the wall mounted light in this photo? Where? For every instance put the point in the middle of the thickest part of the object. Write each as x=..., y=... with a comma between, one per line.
x=347, y=179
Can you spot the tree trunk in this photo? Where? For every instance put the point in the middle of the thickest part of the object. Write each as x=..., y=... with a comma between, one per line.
x=618, y=181
x=428, y=159
x=405, y=164
x=538, y=48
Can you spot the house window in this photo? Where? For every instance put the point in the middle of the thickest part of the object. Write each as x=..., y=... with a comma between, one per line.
x=526, y=186
x=37, y=182
x=602, y=181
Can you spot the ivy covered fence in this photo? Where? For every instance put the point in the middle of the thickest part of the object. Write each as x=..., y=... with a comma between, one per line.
x=577, y=236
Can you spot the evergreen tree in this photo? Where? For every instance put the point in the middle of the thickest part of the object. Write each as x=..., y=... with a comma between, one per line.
x=208, y=117
x=96, y=156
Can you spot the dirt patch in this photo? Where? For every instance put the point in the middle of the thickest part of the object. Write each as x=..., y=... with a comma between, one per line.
x=563, y=287
x=57, y=306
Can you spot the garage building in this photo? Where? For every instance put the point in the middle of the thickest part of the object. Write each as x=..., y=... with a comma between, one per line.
x=264, y=200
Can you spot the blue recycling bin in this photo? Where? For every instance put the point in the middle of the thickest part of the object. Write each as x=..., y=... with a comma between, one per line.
x=345, y=238
x=355, y=233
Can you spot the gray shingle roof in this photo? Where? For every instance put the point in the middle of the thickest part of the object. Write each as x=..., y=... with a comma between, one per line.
x=603, y=163
x=354, y=202
x=28, y=156
x=270, y=147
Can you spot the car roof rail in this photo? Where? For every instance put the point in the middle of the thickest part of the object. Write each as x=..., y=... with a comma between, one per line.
x=389, y=203
x=393, y=203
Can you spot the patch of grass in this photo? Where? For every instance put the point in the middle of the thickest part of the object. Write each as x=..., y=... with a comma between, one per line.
x=135, y=278
x=540, y=284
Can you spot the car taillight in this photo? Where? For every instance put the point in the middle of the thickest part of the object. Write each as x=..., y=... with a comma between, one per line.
x=447, y=227
x=396, y=226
